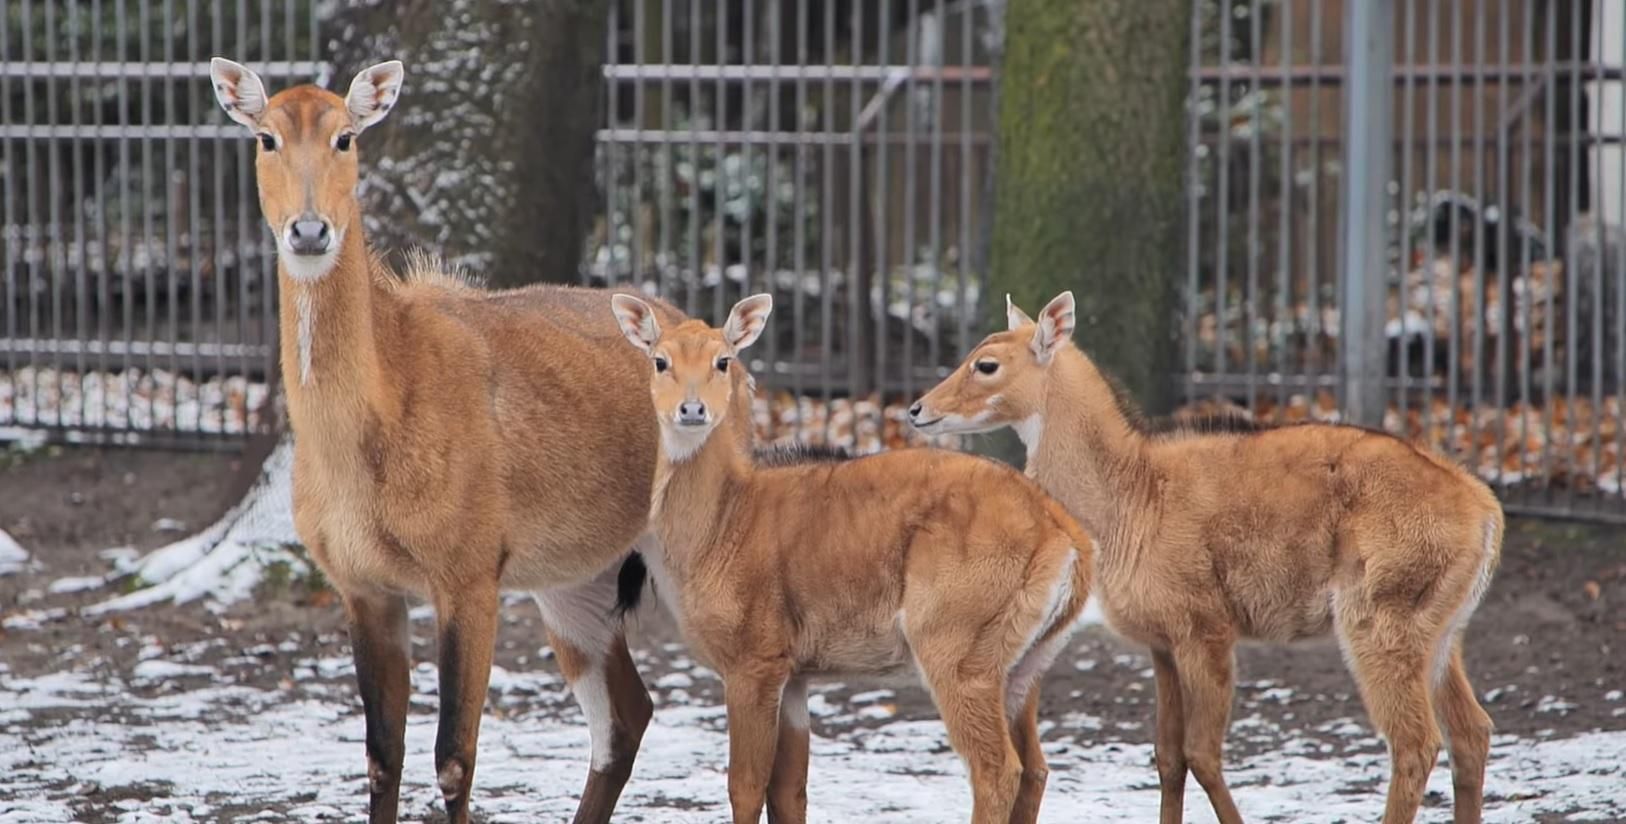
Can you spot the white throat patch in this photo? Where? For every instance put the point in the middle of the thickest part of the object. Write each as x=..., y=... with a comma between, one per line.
x=681, y=444
x=305, y=312
x=309, y=268
x=1030, y=429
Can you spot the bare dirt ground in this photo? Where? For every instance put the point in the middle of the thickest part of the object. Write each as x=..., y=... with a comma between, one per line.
x=1545, y=650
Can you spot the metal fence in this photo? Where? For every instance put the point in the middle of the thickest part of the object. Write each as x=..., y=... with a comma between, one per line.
x=1407, y=213
x=138, y=284
x=832, y=153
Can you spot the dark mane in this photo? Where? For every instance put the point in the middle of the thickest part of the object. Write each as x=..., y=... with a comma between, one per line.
x=799, y=453
x=1177, y=426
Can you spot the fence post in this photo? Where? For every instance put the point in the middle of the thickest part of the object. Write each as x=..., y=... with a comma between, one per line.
x=1368, y=139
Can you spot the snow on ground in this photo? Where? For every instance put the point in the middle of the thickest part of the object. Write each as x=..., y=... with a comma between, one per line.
x=12, y=555
x=185, y=742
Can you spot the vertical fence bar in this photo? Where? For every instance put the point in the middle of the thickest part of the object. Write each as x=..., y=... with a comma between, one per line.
x=1194, y=186
x=53, y=236
x=775, y=89
x=720, y=175
x=1408, y=142
x=635, y=211
x=1282, y=318
x=1250, y=298
x=1431, y=158
x=857, y=296
x=127, y=240
x=610, y=154
x=667, y=259
x=883, y=203
x=934, y=194
x=11, y=235
x=194, y=231
x=1454, y=361
x=222, y=260
x=967, y=102
x=1313, y=360
x=1529, y=82
x=171, y=231
x=98, y=172
x=1620, y=312
x=799, y=215
x=748, y=127
x=827, y=116
x=1222, y=199
x=1600, y=212
x=1504, y=293
x=1366, y=164
x=907, y=260
x=80, y=299
x=696, y=264
x=33, y=232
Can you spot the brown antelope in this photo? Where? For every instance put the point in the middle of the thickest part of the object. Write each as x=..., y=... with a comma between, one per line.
x=1274, y=534
x=786, y=569
x=450, y=443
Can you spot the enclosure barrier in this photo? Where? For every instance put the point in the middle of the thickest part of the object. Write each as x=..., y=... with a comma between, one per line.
x=1402, y=213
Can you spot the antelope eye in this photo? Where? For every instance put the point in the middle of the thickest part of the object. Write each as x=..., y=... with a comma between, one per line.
x=987, y=367
x=342, y=143
x=723, y=362
x=660, y=363
x=267, y=142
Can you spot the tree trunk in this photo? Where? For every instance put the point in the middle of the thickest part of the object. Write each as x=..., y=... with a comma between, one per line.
x=552, y=207
x=489, y=159
x=1089, y=194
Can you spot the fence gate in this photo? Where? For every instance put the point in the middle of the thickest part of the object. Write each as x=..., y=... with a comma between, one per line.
x=1407, y=213
x=138, y=279
x=833, y=153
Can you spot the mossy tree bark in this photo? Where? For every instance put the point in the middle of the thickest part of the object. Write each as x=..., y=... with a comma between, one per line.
x=489, y=159
x=1091, y=176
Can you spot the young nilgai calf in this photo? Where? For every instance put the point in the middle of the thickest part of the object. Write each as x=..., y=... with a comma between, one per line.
x=1208, y=537
x=918, y=559
x=449, y=443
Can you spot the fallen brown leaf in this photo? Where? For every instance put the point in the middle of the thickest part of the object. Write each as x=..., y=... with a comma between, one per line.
x=1592, y=590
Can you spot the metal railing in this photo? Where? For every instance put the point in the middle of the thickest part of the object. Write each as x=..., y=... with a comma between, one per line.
x=837, y=159
x=138, y=284
x=1406, y=213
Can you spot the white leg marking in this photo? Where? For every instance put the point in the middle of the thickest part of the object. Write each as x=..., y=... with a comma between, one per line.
x=584, y=616
x=451, y=780
x=793, y=704
x=593, y=694
x=1459, y=621
x=1031, y=665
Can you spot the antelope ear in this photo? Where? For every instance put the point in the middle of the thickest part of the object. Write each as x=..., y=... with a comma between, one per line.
x=239, y=91
x=1056, y=322
x=1015, y=318
x=637, y=321
x=373, y=93
x=746, y=321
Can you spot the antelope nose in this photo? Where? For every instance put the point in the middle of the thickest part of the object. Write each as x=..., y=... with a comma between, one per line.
x=308, y=236
x=914, y=411
x=692, y=413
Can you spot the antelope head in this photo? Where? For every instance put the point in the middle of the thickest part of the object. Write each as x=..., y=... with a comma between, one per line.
x=690, y=381
x=306, y=158
x=1001, y=383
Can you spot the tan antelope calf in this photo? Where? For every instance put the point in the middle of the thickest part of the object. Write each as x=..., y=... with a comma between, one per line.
x=1275, y=534
x=449, y=443
x=778, y=572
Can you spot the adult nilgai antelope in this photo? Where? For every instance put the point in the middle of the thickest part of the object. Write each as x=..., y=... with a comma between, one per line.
x=449, y=443
x=1207, y=537
x=781, y=570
